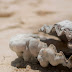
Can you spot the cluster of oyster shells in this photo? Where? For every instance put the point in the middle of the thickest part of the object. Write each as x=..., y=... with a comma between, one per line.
x=34, y=47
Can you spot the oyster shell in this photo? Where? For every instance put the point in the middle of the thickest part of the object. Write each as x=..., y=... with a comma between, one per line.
x=63, y=30
x=50, y=55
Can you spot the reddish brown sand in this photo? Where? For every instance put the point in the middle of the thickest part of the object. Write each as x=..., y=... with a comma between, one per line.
x=27, y=16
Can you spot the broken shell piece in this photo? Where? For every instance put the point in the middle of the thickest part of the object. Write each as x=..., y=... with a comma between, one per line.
x=26, y=46
x=50, y=55
x=63, y=30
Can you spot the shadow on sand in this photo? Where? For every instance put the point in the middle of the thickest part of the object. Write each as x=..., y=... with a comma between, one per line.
x=20, y=63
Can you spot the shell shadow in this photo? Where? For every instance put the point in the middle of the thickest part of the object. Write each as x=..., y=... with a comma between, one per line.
x=20, y=63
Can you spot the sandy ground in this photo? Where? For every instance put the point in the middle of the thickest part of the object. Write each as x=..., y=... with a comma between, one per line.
x=27, y=16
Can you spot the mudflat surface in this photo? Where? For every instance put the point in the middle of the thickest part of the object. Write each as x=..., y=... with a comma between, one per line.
x=27, y=16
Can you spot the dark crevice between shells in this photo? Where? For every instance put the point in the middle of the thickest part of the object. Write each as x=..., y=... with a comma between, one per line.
x=63, y=31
